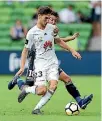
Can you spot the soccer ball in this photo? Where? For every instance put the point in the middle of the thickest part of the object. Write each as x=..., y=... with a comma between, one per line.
x=72, y=108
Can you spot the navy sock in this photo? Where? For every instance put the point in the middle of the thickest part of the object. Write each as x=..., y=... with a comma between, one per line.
x=73, y=91
x=20, y=83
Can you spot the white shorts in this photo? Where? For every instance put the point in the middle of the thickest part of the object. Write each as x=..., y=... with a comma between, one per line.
x=46, y=74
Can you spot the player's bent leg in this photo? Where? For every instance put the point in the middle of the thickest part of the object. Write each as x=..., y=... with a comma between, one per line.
x=74, y=92
x=34, y=90
x=71, y=88
x=52, y=76
x=47, y=96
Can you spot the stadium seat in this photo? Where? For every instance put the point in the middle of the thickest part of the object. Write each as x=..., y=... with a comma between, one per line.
x=63, y=26
x=4, y=19
x=5, y=41
x=16, y=47
x=4, y=34
x=19, y=43
x=29, y=12
x=34, y=4
x=57, y=4
x=63, y=33
x=5, y=26
x=85, y=33
x=4, y=47
x=4, y=11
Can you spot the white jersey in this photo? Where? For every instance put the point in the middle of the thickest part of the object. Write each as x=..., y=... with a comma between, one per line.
x=43, y=43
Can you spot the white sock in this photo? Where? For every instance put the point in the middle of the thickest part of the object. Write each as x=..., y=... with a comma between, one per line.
x=31, y=89
x=44, y=99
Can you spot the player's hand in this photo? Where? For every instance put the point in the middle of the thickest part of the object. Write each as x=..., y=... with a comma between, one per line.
x=56, y=30
x=76, y=55
x=20, y=72
x=75, y=35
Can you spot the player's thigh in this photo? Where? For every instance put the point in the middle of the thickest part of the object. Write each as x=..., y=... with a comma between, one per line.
x=52, y=73
x=64, y=77
x=40, y=78
x=52, y=77
x=40, y=82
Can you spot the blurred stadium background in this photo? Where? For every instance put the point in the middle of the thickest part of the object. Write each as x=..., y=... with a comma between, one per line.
x=85, y=73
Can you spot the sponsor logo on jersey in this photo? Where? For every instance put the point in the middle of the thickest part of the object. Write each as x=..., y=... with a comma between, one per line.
x=47, y=45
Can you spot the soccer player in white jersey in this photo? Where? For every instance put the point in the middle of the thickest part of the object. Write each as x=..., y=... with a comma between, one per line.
x=63, y=76
x=45, y=62
x=42, y=101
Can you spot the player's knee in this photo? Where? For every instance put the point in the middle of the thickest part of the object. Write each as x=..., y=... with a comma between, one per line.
x=41, y=90
x=67, y=79
x=53, y=86
x=44, y=90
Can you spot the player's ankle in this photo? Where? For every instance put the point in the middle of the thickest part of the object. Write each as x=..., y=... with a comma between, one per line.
x=78, y=99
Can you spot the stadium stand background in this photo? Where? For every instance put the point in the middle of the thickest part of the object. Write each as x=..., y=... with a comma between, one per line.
x=24, y=10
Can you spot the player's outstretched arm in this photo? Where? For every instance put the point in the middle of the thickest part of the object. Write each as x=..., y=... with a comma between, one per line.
x=62, y=44
x=23, y=61
x=66, y=39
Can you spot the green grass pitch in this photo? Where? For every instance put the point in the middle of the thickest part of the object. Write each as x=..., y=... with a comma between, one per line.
x=11, y=110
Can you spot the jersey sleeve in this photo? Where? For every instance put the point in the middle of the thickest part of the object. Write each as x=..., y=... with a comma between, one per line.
x=53, y=27
x=29, y=40
x=55, y=33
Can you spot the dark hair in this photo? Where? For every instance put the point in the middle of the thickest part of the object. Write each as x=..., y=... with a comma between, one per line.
x=44, y=10
x=55, y=14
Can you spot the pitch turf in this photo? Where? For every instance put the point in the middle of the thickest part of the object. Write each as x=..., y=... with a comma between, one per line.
x=11, y=110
